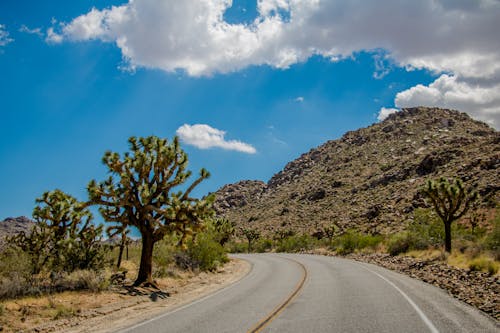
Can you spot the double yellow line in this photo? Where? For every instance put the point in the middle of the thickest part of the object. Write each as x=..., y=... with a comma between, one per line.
x=276, y=312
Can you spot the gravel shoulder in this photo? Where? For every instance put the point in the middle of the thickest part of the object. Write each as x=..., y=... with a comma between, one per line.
x=128, y=311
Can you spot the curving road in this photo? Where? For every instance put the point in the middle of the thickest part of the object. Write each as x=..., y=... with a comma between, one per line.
x=308, y=293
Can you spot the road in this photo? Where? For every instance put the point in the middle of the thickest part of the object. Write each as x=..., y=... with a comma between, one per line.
x=308, y=293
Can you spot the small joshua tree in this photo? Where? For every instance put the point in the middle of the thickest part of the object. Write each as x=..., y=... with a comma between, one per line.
x=251, y=236
x=123, y=232
x=450, y=201
x=64, y=237
x=139, y=193
x=224, y=229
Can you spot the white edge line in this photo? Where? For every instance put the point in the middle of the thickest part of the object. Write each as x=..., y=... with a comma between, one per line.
x=188, y=304
x=422, y=315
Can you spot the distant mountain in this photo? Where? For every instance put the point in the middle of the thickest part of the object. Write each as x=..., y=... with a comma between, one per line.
x=369, y=179
x=14, y=225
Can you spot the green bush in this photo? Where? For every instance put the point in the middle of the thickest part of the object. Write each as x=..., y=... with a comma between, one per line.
x=236, y=247
x=296, y=243
x=263, y=245
x=353, y=240
x=206, y=253
x=163, y=253
x=425, y=230
x=399, y=243
x=492, y=240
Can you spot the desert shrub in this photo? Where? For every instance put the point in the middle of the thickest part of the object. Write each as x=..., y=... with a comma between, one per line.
x=398, y=243
x=62, y=311
x=484, y=264
x=236, y=247
x=295, y=243
x=353, y=240
x=15, y=273
x=206, y=253
x=263, y=245
x=492, y=240
x=425, y=230
x=81, y=280
x=164, y=250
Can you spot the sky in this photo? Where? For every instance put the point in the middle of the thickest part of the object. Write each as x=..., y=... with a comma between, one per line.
x=246, y=85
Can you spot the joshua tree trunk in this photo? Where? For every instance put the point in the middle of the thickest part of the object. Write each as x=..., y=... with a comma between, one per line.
x=120, y=254
x=447, y=236
x=146, y=267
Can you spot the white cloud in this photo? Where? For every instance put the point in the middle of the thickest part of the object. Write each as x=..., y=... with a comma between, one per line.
x=4, y=36
x=459, y=38
x=299, y=99
x=34, y=31
x=204, y=137
x=480, y=101
x=193, y=36
x=385, y=112
x=53, y=37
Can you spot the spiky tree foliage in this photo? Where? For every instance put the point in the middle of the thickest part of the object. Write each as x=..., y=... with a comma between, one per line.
x=139, y=193
x=63, y=237
x=451, y=201
x=251, y=235
x=224, y=230
x=122, y=231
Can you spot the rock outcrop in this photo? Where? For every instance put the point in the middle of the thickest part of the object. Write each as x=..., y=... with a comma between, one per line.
x=14, y=225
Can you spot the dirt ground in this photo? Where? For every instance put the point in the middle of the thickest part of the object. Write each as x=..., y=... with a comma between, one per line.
x=114, y=309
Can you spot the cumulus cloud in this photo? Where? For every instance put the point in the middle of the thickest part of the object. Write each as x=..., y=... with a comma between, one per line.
x=480, y=101
x=205, y=137
x=4, y=36
x=299, y=99
x=459, y=38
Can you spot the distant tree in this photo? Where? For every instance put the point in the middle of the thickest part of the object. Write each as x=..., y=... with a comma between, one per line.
x=139, y=193
x=281, y=234
x=63, y=237
x=251, y=235
x=450, y=201
x=122, y=231
x=331, y=230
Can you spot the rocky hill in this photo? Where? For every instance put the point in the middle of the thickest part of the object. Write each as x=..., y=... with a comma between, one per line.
x=369, y=179
x=14, y=225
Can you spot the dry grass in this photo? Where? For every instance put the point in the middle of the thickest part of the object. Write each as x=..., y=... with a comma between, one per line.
x=430, y=254
x=482, y=262
x=25, y=313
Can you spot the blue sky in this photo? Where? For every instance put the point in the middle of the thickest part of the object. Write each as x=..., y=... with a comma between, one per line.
x=75, y=83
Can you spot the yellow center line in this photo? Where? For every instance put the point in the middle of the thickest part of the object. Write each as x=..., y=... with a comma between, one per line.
x=276, y=312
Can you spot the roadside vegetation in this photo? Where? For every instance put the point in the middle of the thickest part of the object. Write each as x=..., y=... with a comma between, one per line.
x=453, y=230
x=65, y=251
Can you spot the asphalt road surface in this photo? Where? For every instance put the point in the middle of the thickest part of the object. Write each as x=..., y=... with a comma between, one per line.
x=308, y=293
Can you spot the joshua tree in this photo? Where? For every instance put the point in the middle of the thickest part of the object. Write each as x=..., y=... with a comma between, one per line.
x=450, y=201
x=139, y=193
x=123, y=231
x=224, y=229
x=63, y=236
x=251, y=236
